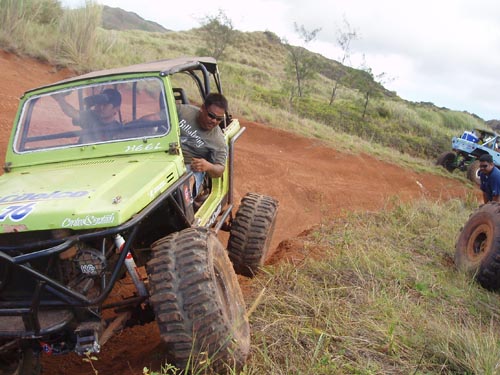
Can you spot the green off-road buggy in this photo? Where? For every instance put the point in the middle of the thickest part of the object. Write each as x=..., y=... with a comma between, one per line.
x=82, y=209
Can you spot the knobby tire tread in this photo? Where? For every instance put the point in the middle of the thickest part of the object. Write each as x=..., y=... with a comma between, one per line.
x=251, y=232
x=487, y=272
x=192, y=316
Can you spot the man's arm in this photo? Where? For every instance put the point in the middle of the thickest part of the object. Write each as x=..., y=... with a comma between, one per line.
x=67, y=108
x=202, y=165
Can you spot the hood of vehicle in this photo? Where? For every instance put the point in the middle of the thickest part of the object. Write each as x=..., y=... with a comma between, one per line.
x=88, y=194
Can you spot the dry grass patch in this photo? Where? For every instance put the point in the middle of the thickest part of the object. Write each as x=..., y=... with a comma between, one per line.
x=385, y=299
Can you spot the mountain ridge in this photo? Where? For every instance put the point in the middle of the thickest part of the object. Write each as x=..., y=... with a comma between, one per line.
x=120, y=19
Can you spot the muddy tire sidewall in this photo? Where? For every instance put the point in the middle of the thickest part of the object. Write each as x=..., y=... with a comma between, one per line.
x=20, y=362
x=251, y=233
x=197, y=300
x=473, y=172
x=447, y=160
x=478, y=246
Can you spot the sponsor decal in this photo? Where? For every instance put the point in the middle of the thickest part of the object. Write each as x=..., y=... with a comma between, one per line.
x=16, y=212
x=143, y=147
x=26, y=197
x=88, y=221
x=156, y=190
x=199, y=142
x=187, y=194
x=214, y=215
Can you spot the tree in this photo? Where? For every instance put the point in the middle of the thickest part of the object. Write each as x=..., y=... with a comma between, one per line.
x=218, y=34
x=345, y=36
x=372, y=88
x=300, y=66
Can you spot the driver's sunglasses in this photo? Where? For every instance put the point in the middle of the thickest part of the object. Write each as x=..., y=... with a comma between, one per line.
x=483, y=166
x=213, y=116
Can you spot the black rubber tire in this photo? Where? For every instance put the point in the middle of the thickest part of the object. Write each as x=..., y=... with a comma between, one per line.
x=477, y=250
x=251, y=233
x=473, y=172
x=198, y=302
x=19, y=362
x=447, y=160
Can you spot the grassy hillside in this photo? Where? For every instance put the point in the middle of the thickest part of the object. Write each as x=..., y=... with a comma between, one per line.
x=253, y=70
x=377, y=293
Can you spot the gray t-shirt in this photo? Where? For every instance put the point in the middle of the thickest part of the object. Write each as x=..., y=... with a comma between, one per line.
x=197, y=142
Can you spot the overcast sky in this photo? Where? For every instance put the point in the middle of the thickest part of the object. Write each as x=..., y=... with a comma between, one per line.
x=442, y=51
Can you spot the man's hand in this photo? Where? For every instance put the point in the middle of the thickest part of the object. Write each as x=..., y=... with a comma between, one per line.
x=202, y=165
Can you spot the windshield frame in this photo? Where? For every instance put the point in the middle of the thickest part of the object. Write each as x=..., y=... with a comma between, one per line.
x=140, y=97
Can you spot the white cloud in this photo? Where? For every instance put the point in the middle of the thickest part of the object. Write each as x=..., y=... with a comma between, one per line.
x=446, y=52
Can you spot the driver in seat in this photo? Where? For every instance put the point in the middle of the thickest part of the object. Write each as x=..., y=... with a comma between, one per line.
x=99, y=119
x=202, y=140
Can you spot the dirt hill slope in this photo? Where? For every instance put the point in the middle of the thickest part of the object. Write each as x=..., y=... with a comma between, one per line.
x=311, y=181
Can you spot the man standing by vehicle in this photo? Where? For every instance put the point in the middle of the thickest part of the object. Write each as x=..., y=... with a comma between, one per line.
x=202, y=140
x=490, y=179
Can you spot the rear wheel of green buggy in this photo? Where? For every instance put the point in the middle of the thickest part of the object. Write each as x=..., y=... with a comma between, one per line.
x=251, y=233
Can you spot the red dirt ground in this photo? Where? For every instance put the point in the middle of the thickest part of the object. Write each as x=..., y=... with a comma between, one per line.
x=311, y=181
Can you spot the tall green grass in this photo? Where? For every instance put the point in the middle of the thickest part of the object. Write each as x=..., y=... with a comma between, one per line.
x=18, y=17
x=79, y=45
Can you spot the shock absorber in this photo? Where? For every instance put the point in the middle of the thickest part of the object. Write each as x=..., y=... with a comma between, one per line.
x=131, y=266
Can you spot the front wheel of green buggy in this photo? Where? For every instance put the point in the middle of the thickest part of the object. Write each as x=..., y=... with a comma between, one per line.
x=198, y=302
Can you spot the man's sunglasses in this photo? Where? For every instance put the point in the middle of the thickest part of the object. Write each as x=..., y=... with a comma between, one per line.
x=483, y=166
x=213, y=116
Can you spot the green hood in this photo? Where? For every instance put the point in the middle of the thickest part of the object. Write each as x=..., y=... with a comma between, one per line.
x=89, y=194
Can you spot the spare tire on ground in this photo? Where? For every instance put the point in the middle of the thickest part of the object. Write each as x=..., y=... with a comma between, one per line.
x=477, y=250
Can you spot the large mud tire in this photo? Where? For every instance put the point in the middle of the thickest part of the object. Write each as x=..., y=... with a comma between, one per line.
x=477, y=250
x=251, y=233
x=447, y=160
x=198, y=302
x=19, y=362
x=473, y=172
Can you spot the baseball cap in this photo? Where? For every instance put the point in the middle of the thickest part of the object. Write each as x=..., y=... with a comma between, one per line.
x=111, y=96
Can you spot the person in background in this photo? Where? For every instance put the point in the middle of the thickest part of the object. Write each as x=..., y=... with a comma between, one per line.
x=99, y=120
x=490, y=179
x=202, y=141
